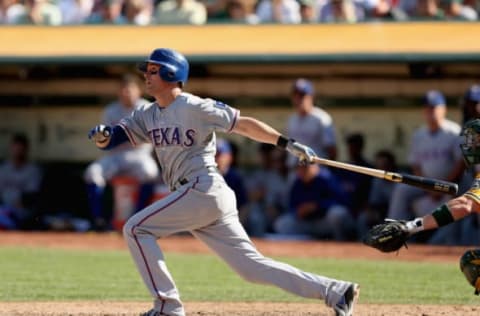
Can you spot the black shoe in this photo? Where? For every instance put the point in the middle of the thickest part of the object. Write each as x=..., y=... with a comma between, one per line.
x=152, y=312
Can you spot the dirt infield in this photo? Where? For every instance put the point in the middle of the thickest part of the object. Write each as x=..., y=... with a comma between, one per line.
x=269, y=248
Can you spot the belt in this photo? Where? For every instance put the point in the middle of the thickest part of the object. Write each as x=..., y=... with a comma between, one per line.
x=184, y=181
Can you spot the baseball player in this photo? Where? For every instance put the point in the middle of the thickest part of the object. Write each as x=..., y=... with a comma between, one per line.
x=182, y=128
x=310, y=124
x=392, y=234
x=471, y=103
x=20, y=185
x=125, y=159
x=433, y=153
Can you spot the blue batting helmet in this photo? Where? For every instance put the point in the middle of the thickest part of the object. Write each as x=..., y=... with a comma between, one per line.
x=473, y=93
x=174, y=65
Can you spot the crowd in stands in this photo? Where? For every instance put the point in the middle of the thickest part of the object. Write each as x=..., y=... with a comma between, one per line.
x=198, y=12
x=280, y=198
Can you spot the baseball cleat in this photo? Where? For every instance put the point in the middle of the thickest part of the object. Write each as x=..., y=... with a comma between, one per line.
x=152, y=312
x=347, y=302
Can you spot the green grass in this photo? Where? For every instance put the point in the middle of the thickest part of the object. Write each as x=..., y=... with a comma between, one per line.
x=31, y=274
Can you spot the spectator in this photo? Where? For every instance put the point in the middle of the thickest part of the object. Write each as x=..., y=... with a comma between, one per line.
x=279, y=11
x=421, y=9
x=181, y=12
x=126, y=160
x=20, y=181
x=474, y=4
x=40, y=12
x=241, y=12
x=439, y=10
x=224, y=159
x=382, y=10
x=11, y=11
x=138, y=12
x=108, y=12
x=380, y=194
x=345, y=11
x=433, y=153
x=356, y=185
x=309, y=124
x=75, y=11
x=216, y=9
x=457, y=10
x=317, y=206
x=308, y=12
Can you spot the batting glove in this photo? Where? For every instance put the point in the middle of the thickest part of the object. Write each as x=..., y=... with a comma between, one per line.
x=304, y=153
x=100, y=134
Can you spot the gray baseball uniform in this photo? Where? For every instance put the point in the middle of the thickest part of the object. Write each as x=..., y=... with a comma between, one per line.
x=315, y=130
x=183, y=135
x=435, y=154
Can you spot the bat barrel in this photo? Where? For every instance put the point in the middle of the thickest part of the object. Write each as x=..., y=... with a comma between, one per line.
x=430, y=184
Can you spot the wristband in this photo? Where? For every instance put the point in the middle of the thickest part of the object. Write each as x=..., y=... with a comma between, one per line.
x=442, y=215
x=282, y=141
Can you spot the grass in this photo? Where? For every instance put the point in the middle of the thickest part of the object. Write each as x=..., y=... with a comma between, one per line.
x=31, y=274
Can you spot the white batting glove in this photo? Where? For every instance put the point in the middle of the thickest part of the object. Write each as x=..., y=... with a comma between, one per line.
x=100, y=134
x=304, y=153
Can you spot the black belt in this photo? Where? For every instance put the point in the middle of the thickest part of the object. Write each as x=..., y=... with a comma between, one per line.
x=185, y=181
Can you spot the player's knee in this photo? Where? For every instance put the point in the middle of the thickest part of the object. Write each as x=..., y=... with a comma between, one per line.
x=129, y=229
x=253, y=271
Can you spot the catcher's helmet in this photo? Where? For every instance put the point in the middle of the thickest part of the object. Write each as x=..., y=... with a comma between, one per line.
x=470, y=266
x=471, y=145
x=174, y=65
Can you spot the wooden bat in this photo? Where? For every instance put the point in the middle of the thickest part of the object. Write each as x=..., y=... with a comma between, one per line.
x=421, y=182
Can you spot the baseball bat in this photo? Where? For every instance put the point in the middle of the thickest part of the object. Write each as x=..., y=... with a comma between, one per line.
x=421, y=182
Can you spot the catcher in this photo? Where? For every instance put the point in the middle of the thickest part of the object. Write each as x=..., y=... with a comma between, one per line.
x=392, y=234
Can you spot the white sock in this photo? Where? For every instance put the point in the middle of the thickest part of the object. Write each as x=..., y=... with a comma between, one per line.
x=415, y=226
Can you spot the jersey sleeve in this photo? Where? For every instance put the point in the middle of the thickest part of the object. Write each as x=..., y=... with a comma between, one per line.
x=474, y=191
x=329, y=138
x=135, y=128
x=219, y=115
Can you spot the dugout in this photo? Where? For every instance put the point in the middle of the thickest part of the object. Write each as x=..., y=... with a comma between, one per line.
x=55, y=81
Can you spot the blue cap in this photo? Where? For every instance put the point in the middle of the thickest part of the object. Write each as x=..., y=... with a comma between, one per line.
x=223, y=146
x=434, y=98
x=473, y=93
x=303, y=86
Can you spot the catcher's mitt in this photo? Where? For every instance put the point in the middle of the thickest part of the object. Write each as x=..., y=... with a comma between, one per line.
x=387, y=237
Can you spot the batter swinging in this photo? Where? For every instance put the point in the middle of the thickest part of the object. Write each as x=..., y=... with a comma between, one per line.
x=182, y=127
